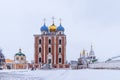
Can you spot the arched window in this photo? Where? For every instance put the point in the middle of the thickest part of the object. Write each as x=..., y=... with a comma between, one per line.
x=60, y=33
x=60, y=41
x=60, y=50
x=40, y=41
x=60, y=60
x=49, y=50
x=21, y=58
x=17, y=58
x=40, y=50
x=49, y=41
x=40, y=60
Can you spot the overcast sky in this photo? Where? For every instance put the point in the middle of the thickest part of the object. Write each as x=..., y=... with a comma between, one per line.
x=85, y=22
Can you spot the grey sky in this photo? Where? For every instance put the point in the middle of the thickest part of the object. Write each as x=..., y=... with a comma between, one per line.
x=85, y=22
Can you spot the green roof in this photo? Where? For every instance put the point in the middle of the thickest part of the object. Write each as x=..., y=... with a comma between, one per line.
x=20, y=53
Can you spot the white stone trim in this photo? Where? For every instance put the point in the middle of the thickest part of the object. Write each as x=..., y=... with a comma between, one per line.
x=39, y=45
x=59, y=37
x=40, y=55
x=60, y=32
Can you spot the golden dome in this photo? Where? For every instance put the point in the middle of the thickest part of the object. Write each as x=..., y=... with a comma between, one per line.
x=52, y=28
x=83, y=52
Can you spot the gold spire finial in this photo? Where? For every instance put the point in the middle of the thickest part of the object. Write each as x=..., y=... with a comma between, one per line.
x=53, y=19
x=83, y=51
x=20, y=50
x=44, y=20
x=60, y=21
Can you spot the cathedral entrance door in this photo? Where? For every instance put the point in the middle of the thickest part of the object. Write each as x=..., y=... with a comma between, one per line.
x=49, y=61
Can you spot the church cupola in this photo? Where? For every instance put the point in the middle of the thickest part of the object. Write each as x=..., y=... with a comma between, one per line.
x=44, y=28
x=20, y=53
x=20, y=57
x=60, y=28
x=53, y=28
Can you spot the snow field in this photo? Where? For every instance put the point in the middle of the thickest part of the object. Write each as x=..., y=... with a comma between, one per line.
x=82, y=74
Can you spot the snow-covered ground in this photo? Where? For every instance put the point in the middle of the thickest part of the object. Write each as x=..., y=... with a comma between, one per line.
x=82, y=74
x=108, y=65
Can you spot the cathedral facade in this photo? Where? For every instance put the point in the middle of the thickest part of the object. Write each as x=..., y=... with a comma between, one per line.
x=50, y=46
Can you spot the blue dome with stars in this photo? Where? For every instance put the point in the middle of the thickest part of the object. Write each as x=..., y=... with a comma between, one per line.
x=60, y=28
x=44, y=28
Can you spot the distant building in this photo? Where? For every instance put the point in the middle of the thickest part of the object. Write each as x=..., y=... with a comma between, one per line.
x=74, y=64
x=20, y=61
x=50, y=46
x=86, y=59
x=9, y=63
x=2, y=60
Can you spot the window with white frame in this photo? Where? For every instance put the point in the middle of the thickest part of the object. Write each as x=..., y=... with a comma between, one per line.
x=40, y=50
x=40, y=41
x=60, y=41
x=40, y=60
x=49, y=41
x=60, y=50
x=17, y=58
x=49, y=49
x=60, y=60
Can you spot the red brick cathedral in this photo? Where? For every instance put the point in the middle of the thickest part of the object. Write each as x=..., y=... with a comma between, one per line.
x=50, y=46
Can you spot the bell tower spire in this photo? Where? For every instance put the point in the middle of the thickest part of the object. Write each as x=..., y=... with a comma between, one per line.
x=91, y=47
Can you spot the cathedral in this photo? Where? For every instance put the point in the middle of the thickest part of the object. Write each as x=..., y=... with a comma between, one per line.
x=50, y=46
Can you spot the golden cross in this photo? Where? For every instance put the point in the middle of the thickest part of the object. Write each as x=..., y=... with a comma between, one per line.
x=53, y=19
x=44, y=20
x=60, y=21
